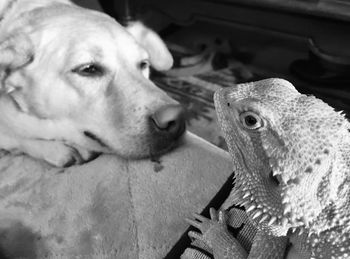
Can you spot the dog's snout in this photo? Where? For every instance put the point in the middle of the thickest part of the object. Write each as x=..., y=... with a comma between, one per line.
x=169, y=119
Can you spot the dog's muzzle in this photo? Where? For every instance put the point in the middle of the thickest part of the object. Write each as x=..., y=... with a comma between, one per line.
x=167, y=126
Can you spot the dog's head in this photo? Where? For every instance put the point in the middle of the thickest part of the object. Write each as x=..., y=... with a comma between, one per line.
x=77, y=76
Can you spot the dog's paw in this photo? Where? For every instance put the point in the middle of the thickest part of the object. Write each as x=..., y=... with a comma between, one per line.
x=55, y=153
x=86, y=155
x=58, y=154
x=67, y=157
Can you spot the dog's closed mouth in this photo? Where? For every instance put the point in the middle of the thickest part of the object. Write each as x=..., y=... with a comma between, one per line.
x=93, y=137
x=15, y=103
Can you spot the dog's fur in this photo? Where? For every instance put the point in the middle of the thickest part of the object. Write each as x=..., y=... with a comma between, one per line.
x=74, y=82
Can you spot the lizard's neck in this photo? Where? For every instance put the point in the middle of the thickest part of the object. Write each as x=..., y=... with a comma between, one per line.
x=331, y=230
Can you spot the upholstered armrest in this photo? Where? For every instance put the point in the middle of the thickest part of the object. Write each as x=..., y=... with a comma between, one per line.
x=108, y=208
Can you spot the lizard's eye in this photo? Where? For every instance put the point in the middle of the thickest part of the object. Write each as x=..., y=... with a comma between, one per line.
x=251, y=120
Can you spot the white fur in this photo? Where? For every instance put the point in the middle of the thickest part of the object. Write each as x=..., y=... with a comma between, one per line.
x=45, y=107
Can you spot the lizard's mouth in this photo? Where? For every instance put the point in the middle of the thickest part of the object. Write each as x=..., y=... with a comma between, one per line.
x=276, y=179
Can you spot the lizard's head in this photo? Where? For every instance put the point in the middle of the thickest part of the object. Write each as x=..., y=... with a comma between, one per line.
x=283, y=145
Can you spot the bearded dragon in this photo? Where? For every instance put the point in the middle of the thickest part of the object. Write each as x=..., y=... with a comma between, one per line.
x=291, y=155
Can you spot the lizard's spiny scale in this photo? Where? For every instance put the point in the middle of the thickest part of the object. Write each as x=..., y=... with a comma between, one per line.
x=250, y=208
x=263, y=218
x=285, y=200
x=247, y=194
x=284, y=222
x=275, y=172
x=235, y=197
x=256, y=214
x=287, y=209
x=245, y=203
x=301, y=231
x=272, y=220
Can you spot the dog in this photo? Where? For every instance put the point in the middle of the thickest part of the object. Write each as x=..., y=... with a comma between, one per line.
x=75, y=83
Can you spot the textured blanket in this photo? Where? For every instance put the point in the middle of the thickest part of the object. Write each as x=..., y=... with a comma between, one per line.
x=108, y=208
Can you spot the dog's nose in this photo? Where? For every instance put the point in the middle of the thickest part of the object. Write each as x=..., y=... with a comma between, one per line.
x=170, y=119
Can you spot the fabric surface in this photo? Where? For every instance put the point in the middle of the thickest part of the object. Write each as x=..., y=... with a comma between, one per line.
x=108, y=208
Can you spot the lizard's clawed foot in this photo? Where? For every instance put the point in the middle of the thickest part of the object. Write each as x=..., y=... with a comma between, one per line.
x=210, y=228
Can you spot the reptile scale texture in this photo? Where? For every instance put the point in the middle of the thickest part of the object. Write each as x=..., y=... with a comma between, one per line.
x=291, y=156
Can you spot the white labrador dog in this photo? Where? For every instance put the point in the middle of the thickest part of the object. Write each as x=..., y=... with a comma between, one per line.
x=74, y=83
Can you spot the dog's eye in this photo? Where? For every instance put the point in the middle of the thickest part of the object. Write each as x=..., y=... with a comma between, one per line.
x=144, y=64
x=144, y=67
x=89, y=70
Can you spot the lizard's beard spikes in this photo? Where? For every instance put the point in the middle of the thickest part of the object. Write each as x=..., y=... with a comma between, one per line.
x=263, y=205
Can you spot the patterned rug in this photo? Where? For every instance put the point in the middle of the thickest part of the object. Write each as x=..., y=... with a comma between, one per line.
x=195, y=93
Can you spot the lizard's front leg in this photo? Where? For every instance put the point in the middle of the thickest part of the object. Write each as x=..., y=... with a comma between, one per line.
x=215, y=234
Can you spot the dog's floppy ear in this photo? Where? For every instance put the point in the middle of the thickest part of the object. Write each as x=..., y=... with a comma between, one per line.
x=160, y=57
x=16, y=50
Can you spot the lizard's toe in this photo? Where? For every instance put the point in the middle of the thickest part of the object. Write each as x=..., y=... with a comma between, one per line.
x=200, y=218
x=213, y=214
x=195, y=235
x=194, y=223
